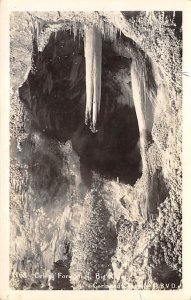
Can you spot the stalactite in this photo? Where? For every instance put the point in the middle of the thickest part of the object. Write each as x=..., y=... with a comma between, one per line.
x=139, y=104
x=93, y=57
x=75, y=30
x=138, y=97
x=144, y=88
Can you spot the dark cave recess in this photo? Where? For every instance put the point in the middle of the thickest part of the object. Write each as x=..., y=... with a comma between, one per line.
x=54, y=96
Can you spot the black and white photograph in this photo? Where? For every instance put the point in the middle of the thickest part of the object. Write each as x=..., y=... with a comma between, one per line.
x=95, y=150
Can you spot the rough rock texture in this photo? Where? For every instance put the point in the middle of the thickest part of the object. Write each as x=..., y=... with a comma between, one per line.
x=46, y=184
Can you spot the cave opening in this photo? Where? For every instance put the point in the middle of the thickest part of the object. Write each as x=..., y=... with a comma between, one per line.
x=54, y=95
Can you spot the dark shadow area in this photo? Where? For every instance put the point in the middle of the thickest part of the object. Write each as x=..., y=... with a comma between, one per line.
x=54, y=96
x=159, y=192
x=162, y=273
x=130, y=14
x=60, y=275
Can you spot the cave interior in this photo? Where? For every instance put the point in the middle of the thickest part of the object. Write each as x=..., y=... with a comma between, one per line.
x=54, y=96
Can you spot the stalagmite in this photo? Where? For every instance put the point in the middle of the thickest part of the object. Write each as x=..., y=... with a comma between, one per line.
x=93, y=58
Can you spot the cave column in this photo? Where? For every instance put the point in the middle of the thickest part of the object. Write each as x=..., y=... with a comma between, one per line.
x=93, y=62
